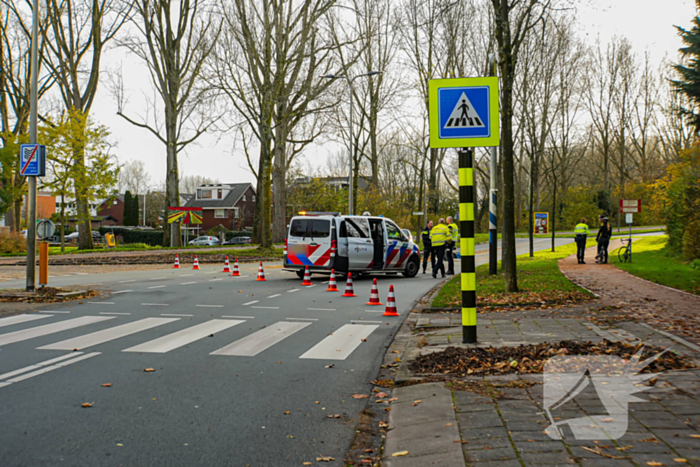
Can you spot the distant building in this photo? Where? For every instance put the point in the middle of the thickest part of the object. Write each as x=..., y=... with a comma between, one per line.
x=230, y=205
x=340, y=183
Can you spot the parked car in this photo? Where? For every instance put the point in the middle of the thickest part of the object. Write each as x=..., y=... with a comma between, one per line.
x=205, y=241
x=237, y=241
x=74, y=236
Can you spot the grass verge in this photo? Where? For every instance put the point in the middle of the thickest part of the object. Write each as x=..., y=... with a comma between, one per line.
x=541, y=284
x=653, y=261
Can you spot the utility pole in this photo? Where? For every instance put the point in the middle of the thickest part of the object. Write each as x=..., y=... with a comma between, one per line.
x=493, y=191
x=31, y=194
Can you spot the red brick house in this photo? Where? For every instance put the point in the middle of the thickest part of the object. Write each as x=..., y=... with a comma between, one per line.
x=228, y=204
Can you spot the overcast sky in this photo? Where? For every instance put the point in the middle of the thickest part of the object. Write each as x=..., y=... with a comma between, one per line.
x=648, y=24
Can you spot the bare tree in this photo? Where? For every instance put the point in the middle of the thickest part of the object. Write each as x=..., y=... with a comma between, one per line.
x=189, y=183
x=134, y=177
x=175, y=40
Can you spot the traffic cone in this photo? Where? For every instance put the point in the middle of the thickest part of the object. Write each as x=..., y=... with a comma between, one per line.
x=196, y=263
x=177, y=263
x=332, y=286
x=261, y=273
x=236, y=272
x=307, y=277
x=374, y=295
x=390, y=304
x=227, y=266
x=349, y=292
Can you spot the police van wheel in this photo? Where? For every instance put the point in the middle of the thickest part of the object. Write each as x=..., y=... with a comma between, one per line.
x=300, y=274
x=412, y=267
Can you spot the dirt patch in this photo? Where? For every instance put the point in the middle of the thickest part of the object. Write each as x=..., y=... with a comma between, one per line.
x=44, y=295
x=489, y=389
x=636, y=299
x=366, y=447
x=528, y=359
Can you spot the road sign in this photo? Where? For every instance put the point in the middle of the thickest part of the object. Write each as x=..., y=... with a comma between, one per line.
x=541, y=222
x=630, y=205
x=464, y=112
x=45, y=229
x=32, y=160
x=419, y=213
x=628, y=218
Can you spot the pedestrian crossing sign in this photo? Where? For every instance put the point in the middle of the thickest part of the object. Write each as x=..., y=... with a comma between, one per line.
x=464, y=112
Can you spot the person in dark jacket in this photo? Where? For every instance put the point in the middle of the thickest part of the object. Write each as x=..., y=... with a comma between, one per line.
x=603, y=239
x=428, y=249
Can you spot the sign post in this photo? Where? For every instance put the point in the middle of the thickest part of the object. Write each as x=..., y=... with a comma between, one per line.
x=541, y=223
x=464, y=115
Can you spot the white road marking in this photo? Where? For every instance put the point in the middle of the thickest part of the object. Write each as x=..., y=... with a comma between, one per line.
x=101, y=303
x=155, y=304
x=214, y=280
x=240, y=317
x=106, y=335
x=20, y=319
x=157, y=286
x=250, y=303
x=302, y=319
x=361, y=321
x=156, y=278
x=38, y=331
x=53, y=367
x=185, y=275
x=211, y=272
x=175, y=314
x=81, y=273
x=114, y=313
x=39, y=365
x=186, y=336
x=325, y=282
x=321, y=309
x=187, y=283
x=121, y=291
x=263, y=339
x=266, y=307
x=55, y=311
x=125, y=282
x=293, y=290
x=340, y=344
x=273, y=296
x=210, y=306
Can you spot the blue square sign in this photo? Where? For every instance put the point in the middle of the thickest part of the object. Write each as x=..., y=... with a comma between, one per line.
x=32, y=160
x=464, y=112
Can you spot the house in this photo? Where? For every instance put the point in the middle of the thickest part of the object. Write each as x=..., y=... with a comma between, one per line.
x=114, y=207
x=230, y=205
x=339, y=183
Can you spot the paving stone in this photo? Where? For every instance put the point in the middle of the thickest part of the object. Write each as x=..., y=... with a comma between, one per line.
x=481, y=443
x=540, y=446
x=661, y=421
x=490, y=454
x=603, y=462
x=446, y=459
x=501, y=463
x=413, y=439
x=644, y=459
x=526, y=435
x=690, y=454
x=484, y=433
x=526, y=426
x=472, y=421
x=540, y=458
x=466, y=397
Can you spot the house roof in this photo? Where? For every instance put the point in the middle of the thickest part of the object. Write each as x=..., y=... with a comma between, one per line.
x=235, y=193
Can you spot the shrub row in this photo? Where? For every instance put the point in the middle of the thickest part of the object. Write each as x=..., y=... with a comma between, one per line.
x=149, y=237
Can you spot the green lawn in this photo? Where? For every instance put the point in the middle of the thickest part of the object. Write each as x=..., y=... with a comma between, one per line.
x=539, y=280
x=651, y=260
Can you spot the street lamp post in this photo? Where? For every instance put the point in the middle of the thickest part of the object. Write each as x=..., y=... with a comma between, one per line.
x=352, y=99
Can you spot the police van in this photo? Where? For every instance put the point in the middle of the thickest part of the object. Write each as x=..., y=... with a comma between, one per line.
x=357, y=244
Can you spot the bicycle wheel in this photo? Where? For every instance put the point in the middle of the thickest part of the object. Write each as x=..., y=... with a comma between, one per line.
x=622, y=254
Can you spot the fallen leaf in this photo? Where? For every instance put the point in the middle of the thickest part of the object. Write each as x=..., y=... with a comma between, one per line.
x=120, y=444
x=360, y=396
x=318, y=402
x=369, y=450
x=87, y=404
x=106, y=385
x=324, y=459
x=290, y=436
x=148, y=370
x=287, y=412
x=363, y=340
x=395, y=351
x=680, y=460
x=383, y=424
x=399, y=453
x=393, y=399
x=333, y=416
x=306, y=463
x=654, y=463
x=279, y=363
x=602, y=453
x=624, y=448
x=380, y=395
x=448, y=424
x=331, y=365
x=416, y=403
x=607, y=420
x=695, y=436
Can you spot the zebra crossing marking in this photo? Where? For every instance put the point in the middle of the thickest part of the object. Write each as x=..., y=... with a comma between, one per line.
x=261, y=340
x=155, y=304
x=157, y=286
x=54, y=311
x=250, y=303
x=239, y=317
x=340, y=344
x=176, y=314
x=106, y=335
x=209, y=306
x=273, y=296
x=266, y=307
x=53, y=367
x=36, y=366
x=122, y=291
x=114, y=313
x=46, y=329
x=20, y=319
x=101, y=303
x=185, y=336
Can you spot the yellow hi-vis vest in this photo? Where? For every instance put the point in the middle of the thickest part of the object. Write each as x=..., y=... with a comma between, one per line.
x=439, y=235
x=581, y=229
x=454, y=231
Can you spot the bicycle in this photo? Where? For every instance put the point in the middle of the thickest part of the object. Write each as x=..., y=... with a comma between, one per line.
x=624, y=254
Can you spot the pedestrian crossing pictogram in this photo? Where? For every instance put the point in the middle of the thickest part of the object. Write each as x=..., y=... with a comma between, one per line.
x=464, y=115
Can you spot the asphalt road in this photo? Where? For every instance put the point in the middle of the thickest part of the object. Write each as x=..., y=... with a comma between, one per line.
x=241, y=369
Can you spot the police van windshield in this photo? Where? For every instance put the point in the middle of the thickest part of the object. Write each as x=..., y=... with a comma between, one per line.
x=314, y=228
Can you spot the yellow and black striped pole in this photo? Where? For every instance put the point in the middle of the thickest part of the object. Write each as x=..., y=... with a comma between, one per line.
x=466, y=243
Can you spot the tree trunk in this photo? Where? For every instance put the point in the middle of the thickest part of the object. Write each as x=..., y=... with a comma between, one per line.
x=508, y=244
x=279, y=180
x=172, y=189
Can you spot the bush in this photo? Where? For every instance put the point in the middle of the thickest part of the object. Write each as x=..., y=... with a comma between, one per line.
x=149, y=237
x=691, y=241
x=12, y=242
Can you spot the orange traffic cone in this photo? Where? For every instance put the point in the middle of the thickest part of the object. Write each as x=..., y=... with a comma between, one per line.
x=236, y=272
x=349, y=292
x=374, y=295
x=177, y=263
x=196, y=263
x=227, y=266
x=261, y=273
x=390, y=304
x=332, y=286
x=307, y=277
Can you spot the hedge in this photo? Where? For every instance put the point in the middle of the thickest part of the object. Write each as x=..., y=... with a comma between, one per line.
x=149, y=237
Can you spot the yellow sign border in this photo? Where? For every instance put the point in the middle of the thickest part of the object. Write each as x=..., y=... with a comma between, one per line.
x=495, y=122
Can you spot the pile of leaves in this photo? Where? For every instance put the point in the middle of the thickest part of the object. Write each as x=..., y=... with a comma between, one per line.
x=526, y=300
x=44, y=295
x=527, y=359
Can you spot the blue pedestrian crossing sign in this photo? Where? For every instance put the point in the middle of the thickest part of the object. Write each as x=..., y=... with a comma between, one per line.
x=32, y=160
x=464, y=112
